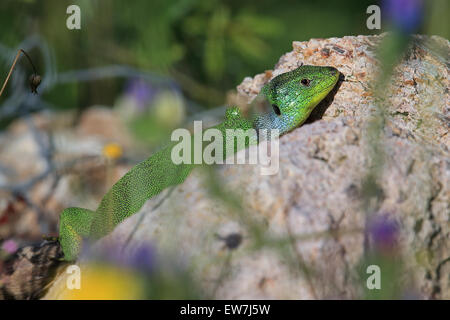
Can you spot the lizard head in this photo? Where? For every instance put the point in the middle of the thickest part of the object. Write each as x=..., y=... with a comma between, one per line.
x=290, y=97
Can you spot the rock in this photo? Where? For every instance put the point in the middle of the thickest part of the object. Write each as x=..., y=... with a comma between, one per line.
x=27, y=273
x=34, y=192
x=304, y=231
x=32, y=195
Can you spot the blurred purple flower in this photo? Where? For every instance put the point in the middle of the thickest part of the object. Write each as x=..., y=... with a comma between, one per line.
x=142, y=258
x=384, y=232
x=10, y=246
x=406, y=15
x=140, y=91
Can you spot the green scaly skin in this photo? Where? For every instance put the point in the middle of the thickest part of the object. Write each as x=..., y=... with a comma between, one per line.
x=291, y=97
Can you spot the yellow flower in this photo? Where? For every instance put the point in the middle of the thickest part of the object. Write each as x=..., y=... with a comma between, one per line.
x=112, y=151
x=102, y=281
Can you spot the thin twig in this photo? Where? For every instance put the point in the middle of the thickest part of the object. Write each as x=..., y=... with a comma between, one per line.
x=14, y=65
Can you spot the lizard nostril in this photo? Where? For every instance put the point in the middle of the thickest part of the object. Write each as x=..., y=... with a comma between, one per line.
x=332, y=70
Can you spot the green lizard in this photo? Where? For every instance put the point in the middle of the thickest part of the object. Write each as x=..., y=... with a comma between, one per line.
x=291, y=97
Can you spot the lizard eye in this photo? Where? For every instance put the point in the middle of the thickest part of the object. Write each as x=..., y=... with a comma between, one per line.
x=305, y=82
x=276, y=109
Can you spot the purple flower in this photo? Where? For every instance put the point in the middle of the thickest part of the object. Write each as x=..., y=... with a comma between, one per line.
x=142, y=258
x=10, y=246
x=406, y=15
x=140, y=91
x=384, y=232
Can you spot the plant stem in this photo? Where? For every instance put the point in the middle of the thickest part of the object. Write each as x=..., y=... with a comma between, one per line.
x=14, y=65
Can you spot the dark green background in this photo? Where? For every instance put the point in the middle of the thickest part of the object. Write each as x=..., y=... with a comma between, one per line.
x=206, y=46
